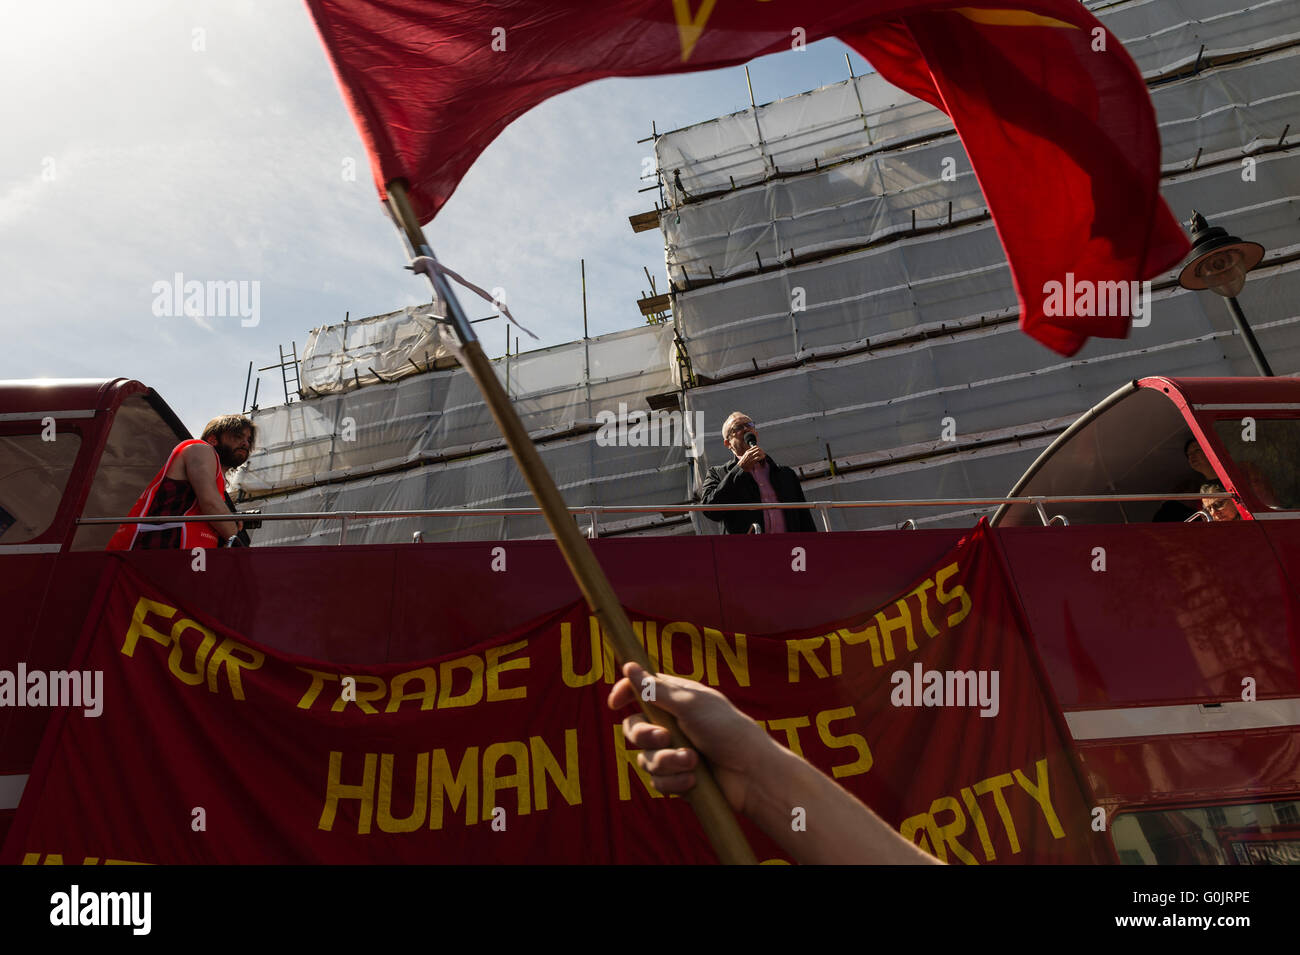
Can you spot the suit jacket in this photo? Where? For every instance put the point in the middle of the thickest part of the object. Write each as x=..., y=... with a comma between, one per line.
x=729, y=484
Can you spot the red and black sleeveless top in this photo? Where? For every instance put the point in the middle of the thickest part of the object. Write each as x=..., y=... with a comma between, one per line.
x=168, y=497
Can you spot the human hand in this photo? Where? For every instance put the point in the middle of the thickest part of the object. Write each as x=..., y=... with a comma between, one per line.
x=752, y=458
x=733, y=743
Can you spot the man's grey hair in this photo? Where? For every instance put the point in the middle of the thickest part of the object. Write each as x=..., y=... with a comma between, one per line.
x=726, y=424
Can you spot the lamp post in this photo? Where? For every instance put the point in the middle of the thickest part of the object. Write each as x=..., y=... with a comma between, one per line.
x=1220, y=262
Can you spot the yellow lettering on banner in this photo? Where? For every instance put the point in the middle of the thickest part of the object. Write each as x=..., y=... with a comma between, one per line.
x=806, y=648
x=571, y=676
x=234, y=656
x=690, y=26
x=695, y=645
x=958, y=593
x=462, y=787
x=138, y=628
x=995, y=785
x=496, y=666
x=546, y=766
x=607, y=655
x=646, y=632
x=693, y=656
x=419, y=802
x=736, y=657
x=427, y=677
x=518, y=780
x=930, y=629
x=336, y=790
x=913, y=825
x=318, y=678
x=1010, y=18
x=887, y=627
x=860, y=765
x=981, y=829
x=1042, y=797
x=837, y=662
x=946, y=836
x=56, y=858
x=200, y=652
x=206, y=660
x=377, y=690
x=474, y=664
x=623, y=758
x=790, y=726
x=868, y=633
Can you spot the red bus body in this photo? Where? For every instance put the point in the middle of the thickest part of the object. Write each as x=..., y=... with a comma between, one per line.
x=1147, y=659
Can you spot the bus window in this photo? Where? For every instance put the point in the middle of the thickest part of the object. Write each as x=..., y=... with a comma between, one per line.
x=1266, y=452
x=1249, y=834
x=33, y=474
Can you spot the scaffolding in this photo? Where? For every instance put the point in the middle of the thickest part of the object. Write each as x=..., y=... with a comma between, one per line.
x=834, y=271
x=426, y=440
x=830, y=269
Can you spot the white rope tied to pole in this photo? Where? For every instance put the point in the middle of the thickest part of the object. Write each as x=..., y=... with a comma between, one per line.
x=431, y=266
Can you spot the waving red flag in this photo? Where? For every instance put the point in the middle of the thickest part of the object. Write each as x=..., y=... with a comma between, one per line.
x=1052, y=111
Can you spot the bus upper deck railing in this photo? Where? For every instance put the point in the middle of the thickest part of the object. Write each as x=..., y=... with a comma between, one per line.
x=595, y=511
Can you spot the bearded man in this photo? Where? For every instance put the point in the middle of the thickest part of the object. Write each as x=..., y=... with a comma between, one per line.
x=192, y=481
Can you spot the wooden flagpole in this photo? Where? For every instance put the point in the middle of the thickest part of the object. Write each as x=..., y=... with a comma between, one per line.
x=706, y=797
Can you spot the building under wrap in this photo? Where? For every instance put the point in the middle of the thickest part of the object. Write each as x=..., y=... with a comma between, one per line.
x=834, y=273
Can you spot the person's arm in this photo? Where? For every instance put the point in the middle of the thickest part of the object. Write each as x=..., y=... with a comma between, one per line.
x=201, y=471
x=759, y=777
x=724, y=488
x=244, y=539
x=719, y=489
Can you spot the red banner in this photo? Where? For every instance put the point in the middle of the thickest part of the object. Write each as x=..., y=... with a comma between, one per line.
x=210, y=748
x=1052, y=111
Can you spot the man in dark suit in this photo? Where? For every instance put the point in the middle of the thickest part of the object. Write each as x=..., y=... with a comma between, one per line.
x=751, y=477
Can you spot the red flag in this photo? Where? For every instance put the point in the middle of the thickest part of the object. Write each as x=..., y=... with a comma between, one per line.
x=1052, y=111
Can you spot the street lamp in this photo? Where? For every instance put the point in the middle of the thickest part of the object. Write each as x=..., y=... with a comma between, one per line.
x=1220, y=263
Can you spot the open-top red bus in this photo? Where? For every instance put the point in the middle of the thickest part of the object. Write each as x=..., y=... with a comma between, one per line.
x=1176, y=668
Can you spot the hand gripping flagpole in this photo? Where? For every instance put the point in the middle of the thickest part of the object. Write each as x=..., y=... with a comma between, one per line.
x=706, y=797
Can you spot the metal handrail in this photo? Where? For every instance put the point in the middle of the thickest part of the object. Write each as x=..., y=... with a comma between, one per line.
x=600, y=509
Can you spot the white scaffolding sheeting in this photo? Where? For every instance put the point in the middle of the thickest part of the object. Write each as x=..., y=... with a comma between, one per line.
x=979, y=472
x=586, y=472
x=793, y=134
x=1228, y=111
x=994, y=379
x=441, y=414
x=1225, y=112
x=1165, y=37
x=841, y=207
x=822, y=284
x=341, y=358
x=956, y=275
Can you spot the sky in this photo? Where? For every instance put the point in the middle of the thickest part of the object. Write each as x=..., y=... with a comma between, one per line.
x=146, y=139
